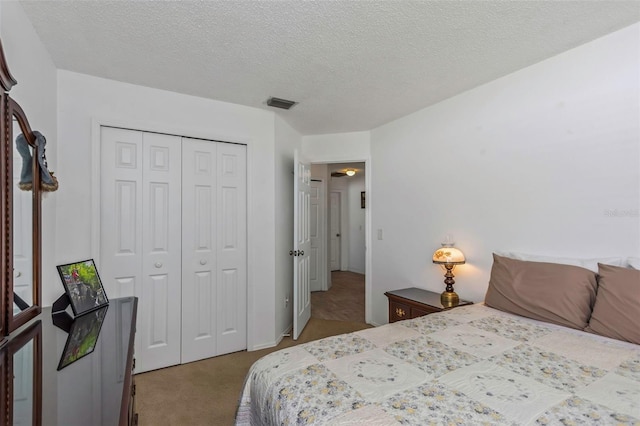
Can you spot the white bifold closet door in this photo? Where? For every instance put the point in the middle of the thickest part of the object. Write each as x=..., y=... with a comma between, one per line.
x=214, y=315
x=164, y=239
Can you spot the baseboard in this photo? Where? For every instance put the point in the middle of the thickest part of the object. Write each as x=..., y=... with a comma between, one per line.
x=285, y=333
x=356, y=271
x=262, y=346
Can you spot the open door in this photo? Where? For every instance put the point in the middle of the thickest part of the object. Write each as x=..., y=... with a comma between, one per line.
x=301, y=244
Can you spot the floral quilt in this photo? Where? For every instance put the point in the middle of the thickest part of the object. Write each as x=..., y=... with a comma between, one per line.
x=471, y=365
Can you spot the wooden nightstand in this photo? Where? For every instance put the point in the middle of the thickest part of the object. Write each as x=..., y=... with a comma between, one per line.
x=415, y=302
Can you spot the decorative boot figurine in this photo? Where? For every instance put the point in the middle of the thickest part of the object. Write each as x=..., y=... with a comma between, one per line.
x=26, y=175
x=48, y=182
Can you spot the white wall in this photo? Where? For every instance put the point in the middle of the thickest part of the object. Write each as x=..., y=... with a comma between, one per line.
x=85, y=101
x=31, y=65
x=287, y=140
x=336, y=147
x=545, y=160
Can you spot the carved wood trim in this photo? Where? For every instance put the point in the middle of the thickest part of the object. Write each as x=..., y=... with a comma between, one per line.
x=6, y=79
x=9, y=109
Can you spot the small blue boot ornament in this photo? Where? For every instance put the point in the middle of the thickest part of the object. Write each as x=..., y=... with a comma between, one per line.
x=48, y=182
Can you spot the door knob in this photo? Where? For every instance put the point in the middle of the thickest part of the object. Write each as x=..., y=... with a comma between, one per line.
x=291, y=253
x=337, y=235
x=301, y=253
x=203, y=262
x=158, y=265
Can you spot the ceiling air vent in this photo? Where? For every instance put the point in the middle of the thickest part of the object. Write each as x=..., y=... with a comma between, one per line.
x=280, y=103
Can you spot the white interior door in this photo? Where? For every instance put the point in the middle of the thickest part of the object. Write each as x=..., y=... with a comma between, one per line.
x=161, y=243
x=174, y=233
x=334, y=233
x=301, y=244
x=140, y=236
x=231, y=306
x=199, y=249
x=214, y=279
x=316, y=215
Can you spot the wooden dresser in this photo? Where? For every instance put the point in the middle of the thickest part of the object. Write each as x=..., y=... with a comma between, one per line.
x=96, y=389
x=415, y=302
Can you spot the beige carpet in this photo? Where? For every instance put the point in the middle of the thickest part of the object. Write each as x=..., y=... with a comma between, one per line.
x=206, y=392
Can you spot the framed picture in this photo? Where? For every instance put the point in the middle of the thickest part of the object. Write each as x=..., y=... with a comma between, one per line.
x=83, y=286
x=362, y=200
x=83, y=336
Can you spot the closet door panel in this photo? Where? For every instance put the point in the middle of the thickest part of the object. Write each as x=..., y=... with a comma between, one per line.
x=121, y=211
x=160, y=298
x=231, y=306
x=199, y=278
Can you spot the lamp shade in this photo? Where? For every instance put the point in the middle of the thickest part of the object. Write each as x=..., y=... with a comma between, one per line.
x=448, y=255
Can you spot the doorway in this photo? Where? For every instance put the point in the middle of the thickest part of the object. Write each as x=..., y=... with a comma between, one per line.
x=342, y=294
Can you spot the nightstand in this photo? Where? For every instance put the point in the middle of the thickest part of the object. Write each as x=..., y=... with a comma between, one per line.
x=415, y=302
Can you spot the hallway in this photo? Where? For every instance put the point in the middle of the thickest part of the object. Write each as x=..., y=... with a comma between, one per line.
x=343, y=302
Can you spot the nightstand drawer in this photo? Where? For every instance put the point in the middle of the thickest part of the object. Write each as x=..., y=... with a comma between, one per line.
x=413, y=302
x=422, y=311
x=399, y=311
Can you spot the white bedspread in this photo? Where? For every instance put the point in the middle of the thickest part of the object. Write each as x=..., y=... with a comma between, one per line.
x=470, y=365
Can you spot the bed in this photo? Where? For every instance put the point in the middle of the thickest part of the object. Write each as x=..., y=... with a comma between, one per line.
x=478, y=364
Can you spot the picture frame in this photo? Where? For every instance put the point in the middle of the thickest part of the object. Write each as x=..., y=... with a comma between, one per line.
x=363, y=202
x=83, y=336
x=83, y=286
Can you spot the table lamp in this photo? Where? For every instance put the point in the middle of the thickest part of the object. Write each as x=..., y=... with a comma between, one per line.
x=448, y=256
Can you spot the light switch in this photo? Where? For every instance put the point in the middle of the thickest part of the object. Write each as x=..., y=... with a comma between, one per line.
x=379, y=234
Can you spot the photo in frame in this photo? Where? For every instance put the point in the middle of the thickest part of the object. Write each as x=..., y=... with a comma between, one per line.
x=83, y=286
x=83, y=336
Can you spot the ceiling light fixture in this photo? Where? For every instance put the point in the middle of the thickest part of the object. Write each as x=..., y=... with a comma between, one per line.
x=350, y=172
x=280, y=103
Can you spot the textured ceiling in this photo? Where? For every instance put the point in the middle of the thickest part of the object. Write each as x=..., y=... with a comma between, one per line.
x=351, y=65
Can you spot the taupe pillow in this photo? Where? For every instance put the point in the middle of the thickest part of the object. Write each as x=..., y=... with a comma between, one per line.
x=616, y=313
x=550, y=292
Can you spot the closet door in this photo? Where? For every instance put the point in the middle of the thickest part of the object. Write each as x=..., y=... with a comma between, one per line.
x=140, y=236
x=214, y=277
x=198, y=249
x=231, y=303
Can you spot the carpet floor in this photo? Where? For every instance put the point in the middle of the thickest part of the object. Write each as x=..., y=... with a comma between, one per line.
x=207, y=392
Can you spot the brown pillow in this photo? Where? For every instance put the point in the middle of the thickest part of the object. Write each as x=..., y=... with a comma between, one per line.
x=550, y=292
x=617, y=309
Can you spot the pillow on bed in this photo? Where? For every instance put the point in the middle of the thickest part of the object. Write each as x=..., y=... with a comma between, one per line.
x=550, y=292
x=617, y=309
x=591, y=264
x=634, y=262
